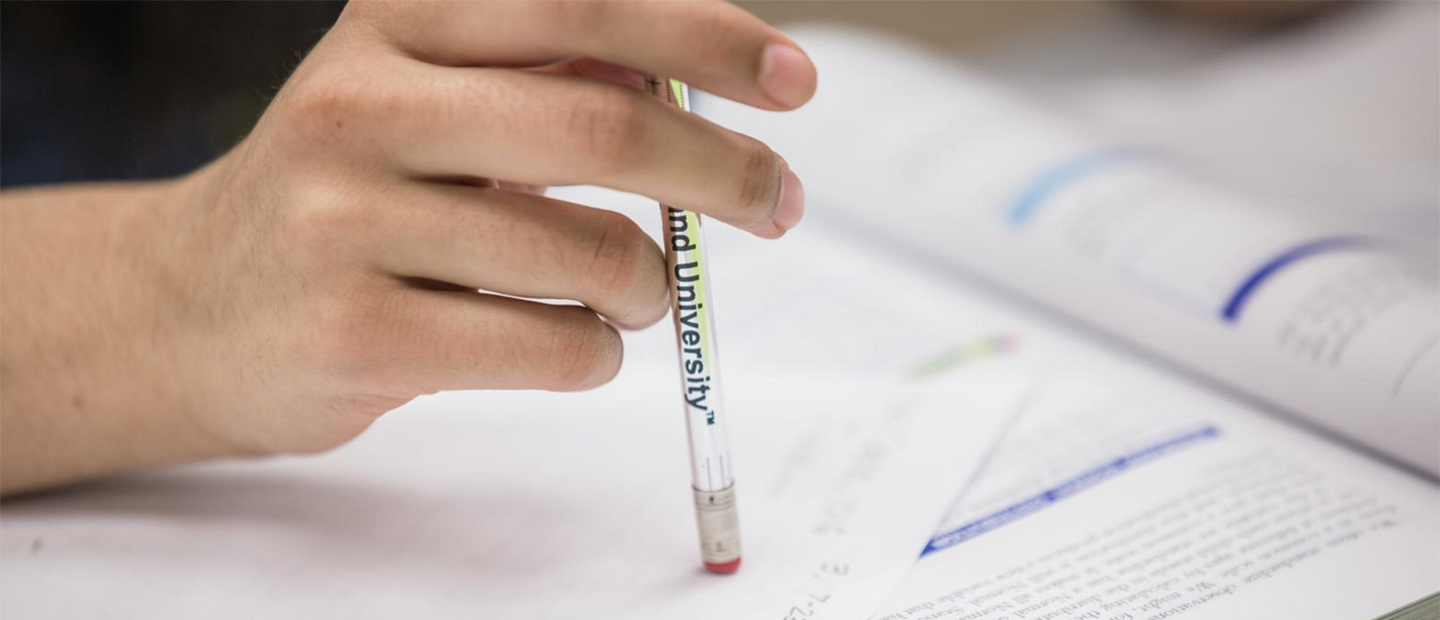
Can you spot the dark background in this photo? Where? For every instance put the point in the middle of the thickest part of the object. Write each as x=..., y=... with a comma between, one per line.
x=134, y=90
x=130, y=90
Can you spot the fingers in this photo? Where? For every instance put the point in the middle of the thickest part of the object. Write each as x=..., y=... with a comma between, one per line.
x=715, y=46
x=527, y=246
x=533, y=128
x=551, y=130
x=423, y=341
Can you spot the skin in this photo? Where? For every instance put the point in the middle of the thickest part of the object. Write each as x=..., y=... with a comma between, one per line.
x=326, y=270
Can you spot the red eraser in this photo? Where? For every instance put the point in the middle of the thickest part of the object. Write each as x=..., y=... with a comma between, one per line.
x=727, y=568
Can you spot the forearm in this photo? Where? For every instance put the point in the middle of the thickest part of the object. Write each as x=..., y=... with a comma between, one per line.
x=88, y=379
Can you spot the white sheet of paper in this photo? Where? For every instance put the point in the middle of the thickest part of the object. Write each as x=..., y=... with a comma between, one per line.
x=535, y=505
x=1124, y=495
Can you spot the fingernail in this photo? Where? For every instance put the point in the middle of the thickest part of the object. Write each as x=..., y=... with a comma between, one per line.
x=792, y=200
x=785, y=74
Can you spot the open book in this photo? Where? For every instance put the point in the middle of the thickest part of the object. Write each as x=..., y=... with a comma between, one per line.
x=1171, y=466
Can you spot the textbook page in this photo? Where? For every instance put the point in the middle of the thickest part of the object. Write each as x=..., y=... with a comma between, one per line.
x=1260, y=113
x=1123, y=495
x=910, y=150
x=857, y=419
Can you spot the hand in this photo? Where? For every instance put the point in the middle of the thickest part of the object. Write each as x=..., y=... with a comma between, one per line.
x=325, y=271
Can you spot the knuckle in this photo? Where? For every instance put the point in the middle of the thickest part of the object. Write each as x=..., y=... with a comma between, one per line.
x=324, y=215
x=348, y=340
x=759, y=186
x=714, y=33
x=585, y=353
x=613, y=258
x=319, y=105
x=625, y=264
x=329, y=100
x=610, y=126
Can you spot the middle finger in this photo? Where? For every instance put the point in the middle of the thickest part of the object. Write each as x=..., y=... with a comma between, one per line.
x=551, y=130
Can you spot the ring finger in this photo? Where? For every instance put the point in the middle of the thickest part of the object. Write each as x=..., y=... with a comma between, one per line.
x=527, y=246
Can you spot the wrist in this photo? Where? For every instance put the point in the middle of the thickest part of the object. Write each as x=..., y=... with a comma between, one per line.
x=97, y=366
x=191, y=314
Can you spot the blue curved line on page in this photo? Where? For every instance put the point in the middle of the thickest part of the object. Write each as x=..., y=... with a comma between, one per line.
x=1230, y=313
x=1065, y=173
x=1065, y=489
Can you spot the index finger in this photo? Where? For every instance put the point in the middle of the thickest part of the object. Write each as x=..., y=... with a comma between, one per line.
x=713, y=45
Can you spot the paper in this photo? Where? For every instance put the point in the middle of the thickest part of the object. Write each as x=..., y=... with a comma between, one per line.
x=534, y=505
x=1334, y=327
x=1162, y=502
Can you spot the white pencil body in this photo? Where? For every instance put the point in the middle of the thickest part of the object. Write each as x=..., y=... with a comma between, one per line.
x=712, y=474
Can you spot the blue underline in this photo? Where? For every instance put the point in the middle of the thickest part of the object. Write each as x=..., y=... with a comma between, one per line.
x=1065, y=173
x=1231, y=312
x=1063, y=490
